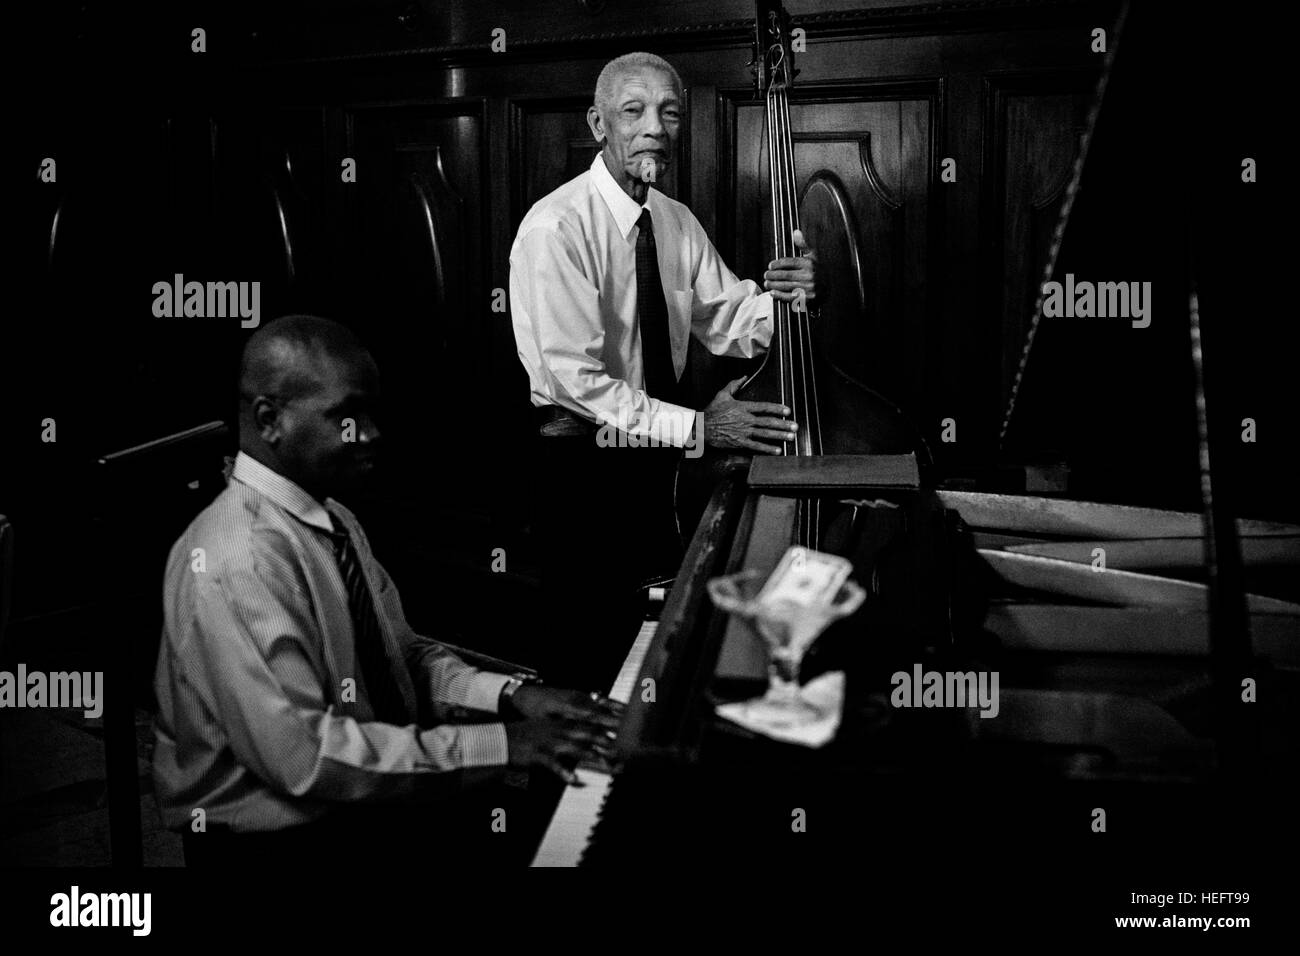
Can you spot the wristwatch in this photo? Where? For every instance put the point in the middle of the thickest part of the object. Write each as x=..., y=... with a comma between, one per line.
x=508, y=690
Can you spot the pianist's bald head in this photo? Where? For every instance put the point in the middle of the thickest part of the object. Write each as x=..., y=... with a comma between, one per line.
x=285, y=357
x=307, y=391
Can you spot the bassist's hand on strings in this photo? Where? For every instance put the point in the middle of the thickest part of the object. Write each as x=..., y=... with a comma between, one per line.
x=786, y=278
x=732, y=423
x=729, y=422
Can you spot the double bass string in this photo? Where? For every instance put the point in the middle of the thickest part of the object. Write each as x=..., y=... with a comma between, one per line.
x=811, y=424
x=808, y=378
x=780, y=329
x=789, y=222
x=783, y=187
x=794, y=326
x=780, y=312
x=776, y=169
x=791, y=391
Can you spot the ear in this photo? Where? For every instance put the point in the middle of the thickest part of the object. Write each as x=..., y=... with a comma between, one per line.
x=267, y=419
x=596, y=124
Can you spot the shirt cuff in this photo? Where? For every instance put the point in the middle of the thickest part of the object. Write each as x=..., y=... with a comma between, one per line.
x=672, y=424
x=484, y=692
x=483, y=745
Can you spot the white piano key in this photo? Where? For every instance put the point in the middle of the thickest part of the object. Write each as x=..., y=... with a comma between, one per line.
x=626, y=680
x=575, y=817
x=570, y=830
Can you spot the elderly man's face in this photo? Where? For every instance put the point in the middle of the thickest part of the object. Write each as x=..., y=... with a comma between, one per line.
x=640, y=125
x=317, y=447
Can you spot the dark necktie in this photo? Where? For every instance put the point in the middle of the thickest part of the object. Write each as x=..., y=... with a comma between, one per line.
x=652, y=313
x=385, y=696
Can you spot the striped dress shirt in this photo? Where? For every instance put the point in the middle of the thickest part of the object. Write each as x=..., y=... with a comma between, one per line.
x=264, y=719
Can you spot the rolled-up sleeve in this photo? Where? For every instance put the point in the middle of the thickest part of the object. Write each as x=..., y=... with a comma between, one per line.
x=253, y=639
x=559, y=306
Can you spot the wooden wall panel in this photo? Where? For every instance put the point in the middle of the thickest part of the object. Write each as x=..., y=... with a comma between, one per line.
x=551, y=144
x=411, y=264
x=869, y=149
x=270, y=190
x=1033, y=127
x=454, y=142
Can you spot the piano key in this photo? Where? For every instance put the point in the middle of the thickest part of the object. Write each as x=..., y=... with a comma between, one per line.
x=575, y=817
x=626, y=680
x=579, y=808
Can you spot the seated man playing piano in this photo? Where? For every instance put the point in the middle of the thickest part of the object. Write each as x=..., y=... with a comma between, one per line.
x=608, y=279
x=300, y=717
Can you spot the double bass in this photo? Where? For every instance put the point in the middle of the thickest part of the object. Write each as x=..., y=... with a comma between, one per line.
x=836, y=414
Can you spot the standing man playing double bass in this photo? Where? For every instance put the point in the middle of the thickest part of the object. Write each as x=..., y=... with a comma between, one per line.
x=608, y=278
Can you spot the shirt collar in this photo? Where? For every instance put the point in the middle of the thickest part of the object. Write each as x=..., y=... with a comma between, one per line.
x=625, y=210
x=282, y=491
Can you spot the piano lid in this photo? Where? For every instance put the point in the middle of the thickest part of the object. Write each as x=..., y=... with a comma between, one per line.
x=1160, y=176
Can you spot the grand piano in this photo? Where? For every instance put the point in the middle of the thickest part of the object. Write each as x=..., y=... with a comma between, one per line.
x=1106, y=686
x=1148, y=663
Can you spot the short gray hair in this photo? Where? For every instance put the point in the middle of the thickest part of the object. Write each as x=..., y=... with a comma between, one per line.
x=619, y=65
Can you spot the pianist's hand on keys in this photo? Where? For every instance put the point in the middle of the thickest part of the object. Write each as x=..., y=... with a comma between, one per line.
x=558, y=729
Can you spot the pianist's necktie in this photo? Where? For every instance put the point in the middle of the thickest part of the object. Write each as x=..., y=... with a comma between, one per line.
x=652, y=313
x=385, y=696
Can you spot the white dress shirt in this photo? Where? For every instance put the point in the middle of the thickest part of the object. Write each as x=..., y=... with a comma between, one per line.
x=573, y=302
x=263, y=718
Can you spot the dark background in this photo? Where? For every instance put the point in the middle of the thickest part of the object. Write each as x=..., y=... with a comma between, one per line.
x=225, y=166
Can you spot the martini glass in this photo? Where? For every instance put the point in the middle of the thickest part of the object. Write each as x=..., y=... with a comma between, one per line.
x=788, y=628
